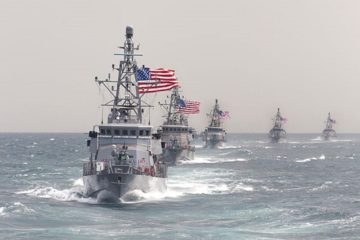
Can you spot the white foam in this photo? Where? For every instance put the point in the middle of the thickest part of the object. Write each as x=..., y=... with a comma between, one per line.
x=213, y=160
x=60, y=195
x=340, y=140
x=346, y=221
x=323, y=186
x=2, y=211
x=52, y=139
x=317, y=139
x=229, y=147
x=268, y=189
x=21, y=208
x=321, y=157
x=17, y=208
x=197, y=160
x=240, y=187
x=207, y=181
x=183, y=182
x=305, y=160
x=181, y=188
x=140, y=196
x=198, y=146
x=78, y=182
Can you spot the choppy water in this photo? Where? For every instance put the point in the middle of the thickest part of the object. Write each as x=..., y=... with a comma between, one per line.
x=248, y=189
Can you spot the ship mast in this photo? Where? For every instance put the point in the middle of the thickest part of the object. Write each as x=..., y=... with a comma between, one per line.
x=278, y=119
x=126, y=105
x=215, y=116
x=173, y=116
x=328, y=122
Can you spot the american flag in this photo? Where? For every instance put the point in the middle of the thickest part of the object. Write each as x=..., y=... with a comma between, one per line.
x=224, y=114
x=191, y=107
x=284, y=120
x=155, y=80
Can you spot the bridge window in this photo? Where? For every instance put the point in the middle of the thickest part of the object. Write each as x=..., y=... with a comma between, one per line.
x=125, y=132
x=102, y=131
x=147, y=132
x=108, y=131
x=117, y=132
x=133, y=132
x=141, y=132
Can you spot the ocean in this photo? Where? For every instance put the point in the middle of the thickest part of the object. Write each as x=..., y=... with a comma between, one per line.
x=304, y=188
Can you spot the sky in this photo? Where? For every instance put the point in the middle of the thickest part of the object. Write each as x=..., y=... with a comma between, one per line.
x=252, y=55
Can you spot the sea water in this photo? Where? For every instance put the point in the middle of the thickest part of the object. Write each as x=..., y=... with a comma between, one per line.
x=302, y=188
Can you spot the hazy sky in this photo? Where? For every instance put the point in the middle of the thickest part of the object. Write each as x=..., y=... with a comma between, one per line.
x=254, y=56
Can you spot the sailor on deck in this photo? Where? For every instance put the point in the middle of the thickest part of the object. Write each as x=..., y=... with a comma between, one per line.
x=114, y=152
x=123, y=158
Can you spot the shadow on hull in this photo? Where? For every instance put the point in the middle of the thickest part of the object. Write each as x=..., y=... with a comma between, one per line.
x=212, y=144
x=174, y=156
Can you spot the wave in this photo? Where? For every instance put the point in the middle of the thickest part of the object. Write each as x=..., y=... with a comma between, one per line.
x=229, y=147
x=2, y=211
x=78, y=182
x=196, y=182
x=341, y=140
x=65, y=195
x=269, y=189
x=323, y=186
x=317, y=139
x=197, y=146
x=16, y=208
x=241, y=187
x=322, y=157
x=212, y=160
x=183, y=182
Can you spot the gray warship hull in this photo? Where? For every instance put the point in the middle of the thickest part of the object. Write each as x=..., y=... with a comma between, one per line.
x=277, y=135
x=173, y=156
x=112, y=187
x=328, y=134
x=214, y=143
x=214, y=137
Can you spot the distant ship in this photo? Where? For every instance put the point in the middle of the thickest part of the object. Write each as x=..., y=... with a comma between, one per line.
x=176, y=135
x=277, y=132
x=214, y=134
x=123, y=151
x=329, y=132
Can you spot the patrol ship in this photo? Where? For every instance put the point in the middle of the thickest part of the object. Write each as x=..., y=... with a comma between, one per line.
x=329, y=132
x=123, y=151
x=277, y=132
x=214, y=134
x=176, y=135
